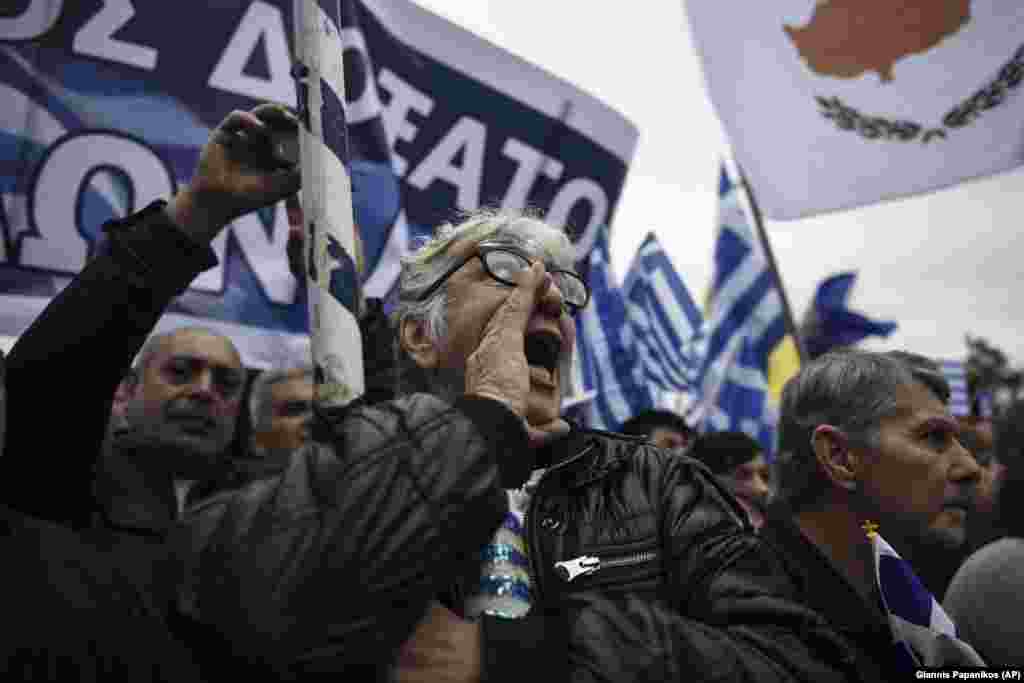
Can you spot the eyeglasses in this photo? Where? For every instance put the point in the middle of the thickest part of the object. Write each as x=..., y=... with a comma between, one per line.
x=504, y=263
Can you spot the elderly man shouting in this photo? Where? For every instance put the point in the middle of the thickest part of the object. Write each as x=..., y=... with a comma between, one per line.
x=616, y=559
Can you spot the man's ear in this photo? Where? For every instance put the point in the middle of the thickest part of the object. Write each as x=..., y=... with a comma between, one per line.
x=128, y=386
x=415, y=339
x=838, y=461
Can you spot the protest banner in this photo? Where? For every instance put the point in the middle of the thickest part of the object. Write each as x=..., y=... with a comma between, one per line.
x=107, y=105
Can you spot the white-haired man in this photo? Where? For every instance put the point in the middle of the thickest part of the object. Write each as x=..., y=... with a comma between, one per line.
x=617, y=561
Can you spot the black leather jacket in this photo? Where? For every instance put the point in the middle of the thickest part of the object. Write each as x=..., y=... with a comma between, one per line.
x=327, y=568
x=644, y=568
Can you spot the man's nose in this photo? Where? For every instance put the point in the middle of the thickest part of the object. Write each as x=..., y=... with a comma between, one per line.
x=204, y=385
x=761, y=488
x=551, y=300
x=965, y=468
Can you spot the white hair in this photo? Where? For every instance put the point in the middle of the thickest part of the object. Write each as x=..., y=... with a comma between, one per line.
x=422, y=267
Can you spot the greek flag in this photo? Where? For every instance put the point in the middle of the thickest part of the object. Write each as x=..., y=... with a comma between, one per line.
x=955, y=372
x=924, y=634
x=744, y=323
x=663, y=319
x=333, y=281
x=606, y=348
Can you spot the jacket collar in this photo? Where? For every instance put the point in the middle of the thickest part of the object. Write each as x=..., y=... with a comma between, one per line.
x=584, y=454
x=133, y=488
x=558, y=451
x=825, y=588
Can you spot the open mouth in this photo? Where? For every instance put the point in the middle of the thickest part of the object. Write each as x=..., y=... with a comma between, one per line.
x=542, y=351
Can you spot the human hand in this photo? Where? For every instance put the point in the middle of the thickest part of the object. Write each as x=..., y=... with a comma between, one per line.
x=542, y=434
x=236, y=174
x=444, y=648
x=498, y=368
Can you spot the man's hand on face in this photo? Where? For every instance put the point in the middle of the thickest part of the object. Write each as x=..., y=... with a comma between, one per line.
x=444, y=649
x=236, y=174
x=498, y=368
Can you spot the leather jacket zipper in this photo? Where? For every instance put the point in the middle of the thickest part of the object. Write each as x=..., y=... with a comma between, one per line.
x=533, y=535
x=584, y=565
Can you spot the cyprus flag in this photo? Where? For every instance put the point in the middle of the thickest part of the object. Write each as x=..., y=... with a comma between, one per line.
x=831, y=104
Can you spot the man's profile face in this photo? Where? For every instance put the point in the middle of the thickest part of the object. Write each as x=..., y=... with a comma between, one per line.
x=667, y=438
x=921, y=479
x=291, y=408
x=188, y=394
x=750, y=482
x=473, y=298
x=981, y=443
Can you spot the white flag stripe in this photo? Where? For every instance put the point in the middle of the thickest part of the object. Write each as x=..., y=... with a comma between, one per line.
x=667, y=301
x=328, y=58
x=327, y=208
x=670, y=362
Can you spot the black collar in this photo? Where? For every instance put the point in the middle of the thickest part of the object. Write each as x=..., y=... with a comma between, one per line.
x=560, y=450
x=825, y=588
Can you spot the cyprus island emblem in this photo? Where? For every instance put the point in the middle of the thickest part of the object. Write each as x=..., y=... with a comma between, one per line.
x=849, y=38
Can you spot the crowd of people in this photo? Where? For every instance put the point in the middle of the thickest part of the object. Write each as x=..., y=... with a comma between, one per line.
x=179, y=520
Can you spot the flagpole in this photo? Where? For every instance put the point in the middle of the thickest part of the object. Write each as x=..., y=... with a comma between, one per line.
x=332, y=279
x=755, y=214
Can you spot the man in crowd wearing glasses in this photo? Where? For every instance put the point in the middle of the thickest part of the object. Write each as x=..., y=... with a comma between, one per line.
x=615, y=560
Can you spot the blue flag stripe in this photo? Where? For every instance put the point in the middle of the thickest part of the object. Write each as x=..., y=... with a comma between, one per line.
x=745, y=324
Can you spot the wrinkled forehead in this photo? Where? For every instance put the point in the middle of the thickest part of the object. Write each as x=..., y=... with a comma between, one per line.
x=917, y=404
x=206, y=346
x=536, y=238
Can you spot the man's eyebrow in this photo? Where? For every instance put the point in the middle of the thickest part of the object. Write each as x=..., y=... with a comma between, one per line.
x=939, y=422
x=199, y=359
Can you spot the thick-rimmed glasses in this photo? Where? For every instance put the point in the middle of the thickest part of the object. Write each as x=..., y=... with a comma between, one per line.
x=505, y=263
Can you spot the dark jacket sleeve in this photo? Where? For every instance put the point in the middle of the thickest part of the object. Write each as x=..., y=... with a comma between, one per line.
x=330, y=567
x=63, y=371
x=732, y=610
x=532, y=648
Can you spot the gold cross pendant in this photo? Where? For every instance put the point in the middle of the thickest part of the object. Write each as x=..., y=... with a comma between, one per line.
x=870, y=528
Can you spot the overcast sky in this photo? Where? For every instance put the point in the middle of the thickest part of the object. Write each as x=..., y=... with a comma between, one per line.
x=941, y=265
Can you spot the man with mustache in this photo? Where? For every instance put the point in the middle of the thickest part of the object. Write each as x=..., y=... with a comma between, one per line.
x=183, y=398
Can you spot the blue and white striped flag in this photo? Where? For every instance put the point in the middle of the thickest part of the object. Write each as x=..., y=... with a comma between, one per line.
x=924, y=634
x=745, y=321
x=333, y=280
x=663, y=319
x=955, y=372
x=605, y=346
